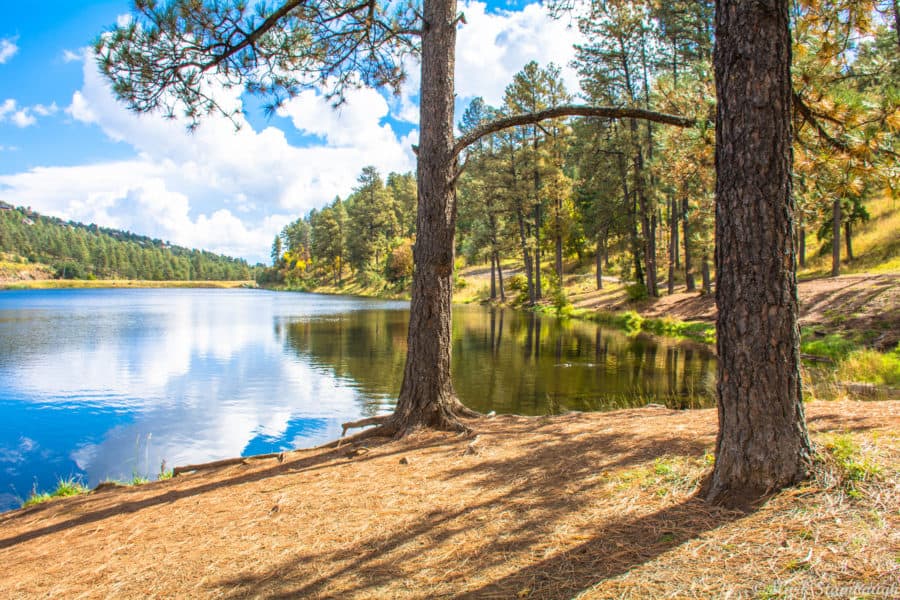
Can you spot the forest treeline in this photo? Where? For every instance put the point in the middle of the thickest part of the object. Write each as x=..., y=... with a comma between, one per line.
x=634, y=197
x=77, y=251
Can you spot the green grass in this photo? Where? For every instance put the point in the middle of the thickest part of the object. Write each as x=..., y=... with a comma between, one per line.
x=834, y=345
x=870, y=366
x=634, y=323
x=851, y=467
x=876, y=245
x=71, y=486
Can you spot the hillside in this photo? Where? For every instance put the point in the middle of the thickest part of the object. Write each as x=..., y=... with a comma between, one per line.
x=36, y=246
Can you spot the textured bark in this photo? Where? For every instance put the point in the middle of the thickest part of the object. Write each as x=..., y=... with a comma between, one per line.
x=762, y=443
x=836, y=238
x=427, y=398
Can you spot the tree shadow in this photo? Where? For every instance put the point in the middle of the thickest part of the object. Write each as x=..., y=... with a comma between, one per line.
x=117, y=506
x=554, y=481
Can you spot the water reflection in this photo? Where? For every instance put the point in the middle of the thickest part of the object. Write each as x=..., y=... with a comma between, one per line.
x=110, y=383
x=510, y=361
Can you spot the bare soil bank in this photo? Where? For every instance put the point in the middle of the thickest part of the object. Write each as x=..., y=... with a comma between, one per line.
x=591, y=505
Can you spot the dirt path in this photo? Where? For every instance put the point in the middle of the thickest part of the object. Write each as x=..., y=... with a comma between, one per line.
x=599, y=504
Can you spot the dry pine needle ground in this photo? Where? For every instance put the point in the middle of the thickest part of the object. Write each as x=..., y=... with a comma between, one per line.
x=582, y=505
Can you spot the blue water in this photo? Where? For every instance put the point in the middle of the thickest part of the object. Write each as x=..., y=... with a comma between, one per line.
x=104, y=384
x=108, y=384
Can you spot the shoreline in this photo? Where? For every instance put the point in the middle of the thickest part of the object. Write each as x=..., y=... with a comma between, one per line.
x=66, y=284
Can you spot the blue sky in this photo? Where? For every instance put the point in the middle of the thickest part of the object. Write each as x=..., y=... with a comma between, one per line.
x=67, y=148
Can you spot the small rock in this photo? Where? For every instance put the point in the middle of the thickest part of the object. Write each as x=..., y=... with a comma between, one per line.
x=404, y=461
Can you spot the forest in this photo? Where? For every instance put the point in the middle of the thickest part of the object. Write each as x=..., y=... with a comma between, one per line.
x=77, y=251
x=634, y=198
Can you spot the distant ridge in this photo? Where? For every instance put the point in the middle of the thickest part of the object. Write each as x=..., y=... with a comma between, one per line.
x=74, y=250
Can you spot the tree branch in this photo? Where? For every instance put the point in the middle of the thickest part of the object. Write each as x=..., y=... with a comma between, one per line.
x=810, y=118
x=257, y=33
x=572, y=110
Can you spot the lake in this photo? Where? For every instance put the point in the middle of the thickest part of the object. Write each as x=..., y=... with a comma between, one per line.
x=108, y=384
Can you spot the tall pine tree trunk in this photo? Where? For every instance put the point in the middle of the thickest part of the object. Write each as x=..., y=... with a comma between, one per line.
x=801, y=240
x=493, y=279
x=675, y=219
x=601, y=245
x=762, y=443
x=632, y=221
x=526, y=255
x=836, y=238
x=673, y=245
x=538, y=293
x=848, y=238
x=500, y=277
x=688, y=267
x=559, y=245
x=426, y=396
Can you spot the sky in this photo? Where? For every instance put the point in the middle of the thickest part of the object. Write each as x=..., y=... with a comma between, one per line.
x=69, y=149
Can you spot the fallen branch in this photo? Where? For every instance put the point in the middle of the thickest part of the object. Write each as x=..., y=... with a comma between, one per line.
x=224, y=463
x=363, y=423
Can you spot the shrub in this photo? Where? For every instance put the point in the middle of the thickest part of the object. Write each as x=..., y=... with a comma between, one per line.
x=400, y=263
x=636, y=291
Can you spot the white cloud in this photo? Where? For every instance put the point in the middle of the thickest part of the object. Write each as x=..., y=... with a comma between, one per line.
x=24, y=117
x=8, y=106
x=8, y=49
x=493, y=47
x=190, y=188
x=69, y=56
x=45, y=111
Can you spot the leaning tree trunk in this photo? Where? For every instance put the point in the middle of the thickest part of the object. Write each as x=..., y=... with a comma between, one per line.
x=762, y=443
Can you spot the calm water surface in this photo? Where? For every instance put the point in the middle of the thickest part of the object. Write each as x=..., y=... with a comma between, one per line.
x=104, y=384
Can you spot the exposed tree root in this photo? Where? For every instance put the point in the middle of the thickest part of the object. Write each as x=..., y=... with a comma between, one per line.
x=388, y=430
x=364, y=423
x=398, y=425
x=224, y=463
